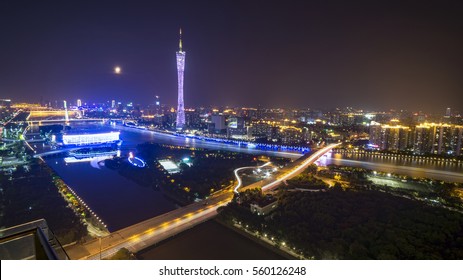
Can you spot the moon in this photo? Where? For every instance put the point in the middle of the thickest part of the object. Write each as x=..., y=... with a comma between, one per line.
x=117, y=70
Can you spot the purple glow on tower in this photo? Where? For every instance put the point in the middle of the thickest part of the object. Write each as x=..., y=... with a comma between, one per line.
x=180, y=67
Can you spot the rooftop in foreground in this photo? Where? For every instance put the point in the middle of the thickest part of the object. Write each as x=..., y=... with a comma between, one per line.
x=30, y=241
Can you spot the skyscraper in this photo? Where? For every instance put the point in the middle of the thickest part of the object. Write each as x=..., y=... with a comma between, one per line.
x=157, y=106
x=180, y=67
x=448, y=113
x=389, y=137
x=66, y=114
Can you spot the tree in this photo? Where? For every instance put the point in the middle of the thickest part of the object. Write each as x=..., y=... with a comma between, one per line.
x=312, y=169
x=337, y=187
x=183, y=167
x=123, y=254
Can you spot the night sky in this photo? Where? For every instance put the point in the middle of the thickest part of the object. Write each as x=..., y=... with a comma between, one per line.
x=317, y=54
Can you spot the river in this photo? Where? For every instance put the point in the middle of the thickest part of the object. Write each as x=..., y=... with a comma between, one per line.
x=200, y=243
x=450, y=172
x=118, y=201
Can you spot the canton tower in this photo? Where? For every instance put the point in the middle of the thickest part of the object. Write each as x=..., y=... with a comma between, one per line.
x=180, y=67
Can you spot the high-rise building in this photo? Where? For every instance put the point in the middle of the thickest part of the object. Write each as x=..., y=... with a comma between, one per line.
x=457, y=140
x=236, y=126
x=438, y=139
x=375, y=134
x=442, y=139
x=448, y=113
x=113, y=104
x=193, y=119
x=66, y=114
x=180, y=68
x=424, y=138
x=260, y=112
x=157, y=106
x=79, y=103
x=219, y=122
x=389, y=137
x=168, y=118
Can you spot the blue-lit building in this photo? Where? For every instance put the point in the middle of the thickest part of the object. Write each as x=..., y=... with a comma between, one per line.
x=103, y=139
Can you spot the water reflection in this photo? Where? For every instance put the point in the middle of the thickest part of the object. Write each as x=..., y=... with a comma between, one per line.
x=418, y=162
x=440, y=171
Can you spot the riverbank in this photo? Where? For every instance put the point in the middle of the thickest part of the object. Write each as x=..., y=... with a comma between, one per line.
x=441, y=159
x=261, y=240
x=94, y=224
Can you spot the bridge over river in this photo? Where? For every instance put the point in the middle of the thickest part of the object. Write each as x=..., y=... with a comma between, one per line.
x=154, y=230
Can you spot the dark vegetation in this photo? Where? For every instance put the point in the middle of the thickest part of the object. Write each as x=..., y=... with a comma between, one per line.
x=250, y=196
x=209, y=171
x=358, y=224
x=123, y=254
x=369, y=225
x=306, y=181
x=354, y=175
x=32, y=195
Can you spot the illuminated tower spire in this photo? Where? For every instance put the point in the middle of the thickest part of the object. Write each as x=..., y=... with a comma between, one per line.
x=180, y=41
x=180, y=68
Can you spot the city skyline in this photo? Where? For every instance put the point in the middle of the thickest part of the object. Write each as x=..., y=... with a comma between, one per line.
x=354, y=158
x=299, y=130
x=372, y=55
